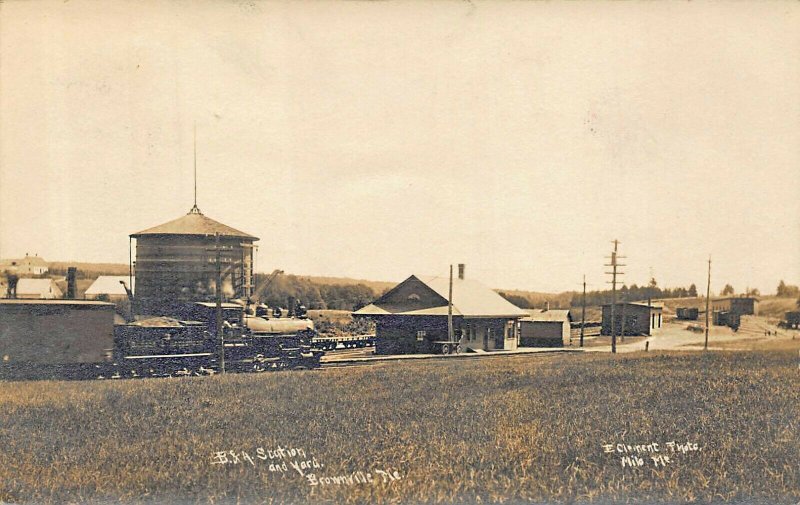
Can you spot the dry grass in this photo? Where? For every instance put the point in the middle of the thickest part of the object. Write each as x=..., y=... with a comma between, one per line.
x=521, y=429
x=783, y=343
x=776, y=308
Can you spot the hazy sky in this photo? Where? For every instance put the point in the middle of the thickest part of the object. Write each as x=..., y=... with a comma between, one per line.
x=377, y=140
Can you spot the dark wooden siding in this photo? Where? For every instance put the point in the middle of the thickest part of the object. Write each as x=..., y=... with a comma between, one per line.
x=55, y=333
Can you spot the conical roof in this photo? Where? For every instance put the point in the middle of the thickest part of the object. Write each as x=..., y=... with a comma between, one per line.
x=194, y=223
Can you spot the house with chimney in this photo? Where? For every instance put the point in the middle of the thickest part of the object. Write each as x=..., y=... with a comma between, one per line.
x=412, y=317
x=29, y=265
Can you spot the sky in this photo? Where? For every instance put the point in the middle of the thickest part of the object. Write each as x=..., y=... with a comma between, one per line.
x=379, y=140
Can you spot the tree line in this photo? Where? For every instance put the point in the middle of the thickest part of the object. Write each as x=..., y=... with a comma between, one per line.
x=314, y=295
x=634, y=293
x=624, y=293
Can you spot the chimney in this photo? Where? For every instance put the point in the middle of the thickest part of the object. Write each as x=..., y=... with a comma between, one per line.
x=546, y=306
x=461, y=267
x=71, y=271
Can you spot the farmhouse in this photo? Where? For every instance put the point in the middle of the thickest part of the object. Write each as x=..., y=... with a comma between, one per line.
x=412, y=317
x=38, y=289
x=29, y=265
x=639, y=317
x=545, y=328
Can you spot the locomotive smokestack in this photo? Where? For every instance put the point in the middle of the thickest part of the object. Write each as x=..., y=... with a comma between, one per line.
x=461, y=267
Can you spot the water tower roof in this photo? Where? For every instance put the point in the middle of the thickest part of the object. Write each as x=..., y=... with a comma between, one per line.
x=194, y=223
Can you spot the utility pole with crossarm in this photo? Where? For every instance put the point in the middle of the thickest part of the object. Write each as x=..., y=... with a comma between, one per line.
x=614, y=264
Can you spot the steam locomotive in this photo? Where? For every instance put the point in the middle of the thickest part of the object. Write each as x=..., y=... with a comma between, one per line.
x=164, y=346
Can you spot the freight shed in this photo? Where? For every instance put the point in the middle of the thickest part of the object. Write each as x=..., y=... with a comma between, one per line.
x=55, y=331
x=639, y=318
x=412, y=317
x=176, y=264
x=545, y=328
x=740, y=306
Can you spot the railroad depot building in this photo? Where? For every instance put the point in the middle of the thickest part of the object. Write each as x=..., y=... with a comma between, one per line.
x=639, y=318
x=545, y=328
x=176, y=264
x=411, y=318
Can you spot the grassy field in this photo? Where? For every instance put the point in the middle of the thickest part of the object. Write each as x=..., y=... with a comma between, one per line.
x=512, y=429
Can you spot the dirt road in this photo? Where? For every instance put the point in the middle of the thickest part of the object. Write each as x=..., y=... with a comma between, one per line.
x=675, y=336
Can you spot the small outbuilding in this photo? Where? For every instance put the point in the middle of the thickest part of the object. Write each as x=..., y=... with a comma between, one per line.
x=412, y=317
x=545, y=328
x=633, y=318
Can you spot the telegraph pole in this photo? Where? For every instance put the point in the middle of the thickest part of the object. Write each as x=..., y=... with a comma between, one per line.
x=614, y=264
x=583, y=308
x=708, y=299
x=218, y=313
x=450, y=308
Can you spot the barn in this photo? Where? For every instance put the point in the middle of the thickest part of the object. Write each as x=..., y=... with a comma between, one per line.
x=110, y=287
x=545, y=328
x=640, y=318
x=412, y=317
x=42, y=289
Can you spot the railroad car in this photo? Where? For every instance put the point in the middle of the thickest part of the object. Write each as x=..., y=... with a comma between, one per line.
x=164, y=346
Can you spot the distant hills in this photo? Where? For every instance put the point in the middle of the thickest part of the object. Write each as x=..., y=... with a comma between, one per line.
x=87, y=270
x=346, y=292
x=324, y=284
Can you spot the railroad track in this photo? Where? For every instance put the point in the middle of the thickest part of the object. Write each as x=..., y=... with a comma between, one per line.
x=342, y=358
